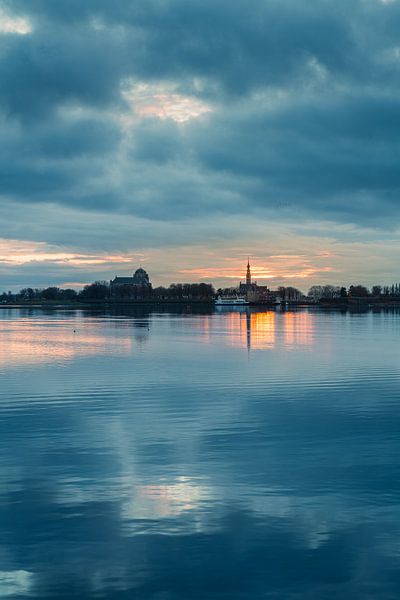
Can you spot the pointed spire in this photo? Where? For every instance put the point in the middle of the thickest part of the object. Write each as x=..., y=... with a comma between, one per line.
x=248, y=274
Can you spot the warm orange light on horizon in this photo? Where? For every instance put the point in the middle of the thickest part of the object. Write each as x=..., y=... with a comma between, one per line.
x=291, y=270
x=20, y=252
x=272, y=270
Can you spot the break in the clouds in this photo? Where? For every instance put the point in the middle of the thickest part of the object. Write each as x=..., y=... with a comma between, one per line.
x=182, y=130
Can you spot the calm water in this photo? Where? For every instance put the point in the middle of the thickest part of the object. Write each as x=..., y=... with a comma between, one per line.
x=177, y=456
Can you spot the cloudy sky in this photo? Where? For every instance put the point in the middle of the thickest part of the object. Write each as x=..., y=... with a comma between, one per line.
x=186, y=134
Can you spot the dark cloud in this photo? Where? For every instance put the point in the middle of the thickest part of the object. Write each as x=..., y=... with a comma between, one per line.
x=78, y=138
x=336, y=156
x=49, y=68
x=81, y=51
x=158, y=142
x=304, y=119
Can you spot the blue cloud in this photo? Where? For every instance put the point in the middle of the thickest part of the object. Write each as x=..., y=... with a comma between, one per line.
x=304, y=121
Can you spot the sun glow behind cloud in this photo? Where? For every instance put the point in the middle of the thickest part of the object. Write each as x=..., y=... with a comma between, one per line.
x=275, y=267
x=13, y=24
x=163, y=103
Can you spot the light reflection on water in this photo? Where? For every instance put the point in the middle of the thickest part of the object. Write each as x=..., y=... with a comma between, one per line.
x=258, y=330
x=193, y=454
x=32, y=342
x=36, y=340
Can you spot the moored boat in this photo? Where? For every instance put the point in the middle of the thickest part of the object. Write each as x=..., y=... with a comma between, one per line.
x=233, y=301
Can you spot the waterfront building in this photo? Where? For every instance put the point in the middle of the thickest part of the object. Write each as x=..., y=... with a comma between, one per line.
x=254, y=293
x=249, y=286
x=137, y=286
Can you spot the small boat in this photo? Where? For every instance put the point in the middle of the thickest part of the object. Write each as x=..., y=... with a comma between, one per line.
x=235, y=301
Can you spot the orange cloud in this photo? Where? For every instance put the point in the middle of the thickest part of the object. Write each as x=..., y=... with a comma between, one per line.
x=280, y=266
x=20, y=252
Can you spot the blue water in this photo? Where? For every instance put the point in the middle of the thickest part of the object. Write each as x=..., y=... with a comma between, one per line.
x=229, y=455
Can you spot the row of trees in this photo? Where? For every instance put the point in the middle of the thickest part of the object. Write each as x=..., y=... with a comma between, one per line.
x=377, y=292
x=39, y=295
x=329, y=292
x=290, y=294
x=176, y=291
x=101, y=290
x=185, y=291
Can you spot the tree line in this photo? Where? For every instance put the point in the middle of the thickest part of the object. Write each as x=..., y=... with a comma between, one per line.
x=39, y=295
x=383, y=293
x=102, y=291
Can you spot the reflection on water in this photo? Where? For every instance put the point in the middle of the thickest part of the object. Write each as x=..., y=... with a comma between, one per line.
x=263, y=330
x=298, y=329
x=157, y=501
x=177, y=455
x=32, y=342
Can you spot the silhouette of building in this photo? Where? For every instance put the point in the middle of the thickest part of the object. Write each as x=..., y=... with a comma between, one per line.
x=254, y=293
x=138, y=285
x=245, y=288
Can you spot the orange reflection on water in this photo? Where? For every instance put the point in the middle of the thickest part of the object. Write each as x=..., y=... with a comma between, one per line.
x=262, y=330
x=31, y=342
x=166, y=499
x=204, y=326
x=266, y=330
x=252, y=330
x=298, y=329
x=236, y=326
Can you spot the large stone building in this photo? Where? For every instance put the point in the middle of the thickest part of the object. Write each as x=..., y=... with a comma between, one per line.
x=136, y=286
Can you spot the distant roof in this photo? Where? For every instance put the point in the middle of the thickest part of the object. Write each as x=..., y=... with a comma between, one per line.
x=140, y=277
x=123, y=280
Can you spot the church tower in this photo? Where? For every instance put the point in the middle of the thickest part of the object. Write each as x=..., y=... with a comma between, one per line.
x=248, y=273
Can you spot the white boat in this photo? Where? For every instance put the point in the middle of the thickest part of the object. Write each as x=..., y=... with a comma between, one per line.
x=235, y=301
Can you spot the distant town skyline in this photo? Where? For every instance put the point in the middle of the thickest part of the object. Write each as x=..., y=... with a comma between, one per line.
x=294, y=271
x=187, y=135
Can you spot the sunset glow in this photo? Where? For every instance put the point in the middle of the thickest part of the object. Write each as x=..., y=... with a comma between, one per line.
x=20, y=252
x=279, y=267
x=157, y=101
x=13, y=24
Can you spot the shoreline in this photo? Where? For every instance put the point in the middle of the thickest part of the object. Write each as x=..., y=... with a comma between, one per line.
x=356, y=305
x=101, y=303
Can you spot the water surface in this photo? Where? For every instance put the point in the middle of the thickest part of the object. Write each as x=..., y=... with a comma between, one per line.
x=205, y=455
